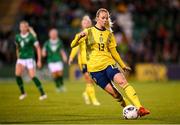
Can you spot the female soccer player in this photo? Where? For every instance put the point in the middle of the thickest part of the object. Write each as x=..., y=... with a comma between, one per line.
x=89, y=93
x=102, y=57
x=25, y=43
x=55, y=53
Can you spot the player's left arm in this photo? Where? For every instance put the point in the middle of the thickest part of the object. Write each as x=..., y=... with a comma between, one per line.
x=115, y=54
x=17, y=52
x=38, y=51
x=62, y=51
x=64, y=56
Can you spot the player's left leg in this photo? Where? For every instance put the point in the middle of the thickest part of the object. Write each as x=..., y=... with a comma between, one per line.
x=130, y=92
x=37, y=82
x=61, y=80
x=55, y=76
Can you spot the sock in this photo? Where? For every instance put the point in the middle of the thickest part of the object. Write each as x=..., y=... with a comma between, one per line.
x=57, y=82
x=91, y=92
x=61, y=80
x=131, y=94
x=122, y=100
x=38, y=84
x=20, y=84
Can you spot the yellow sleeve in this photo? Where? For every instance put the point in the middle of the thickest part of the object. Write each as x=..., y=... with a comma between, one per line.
x=117, y=57
x=78, y=40
x=114, y=53
x=74, y=51
x=75, y=41
x=112, y=41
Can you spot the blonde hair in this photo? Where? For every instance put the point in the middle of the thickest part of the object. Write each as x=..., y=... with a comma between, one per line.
x=109, y=25
x=86, y=17
x=53, y=29
x=30, y=29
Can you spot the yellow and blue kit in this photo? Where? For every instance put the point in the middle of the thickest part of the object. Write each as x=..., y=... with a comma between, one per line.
x=101, y=54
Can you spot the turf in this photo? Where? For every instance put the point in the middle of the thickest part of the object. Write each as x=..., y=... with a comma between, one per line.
x=162, y=98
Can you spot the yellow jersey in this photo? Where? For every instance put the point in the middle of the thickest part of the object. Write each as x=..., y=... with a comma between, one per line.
x=97, y=48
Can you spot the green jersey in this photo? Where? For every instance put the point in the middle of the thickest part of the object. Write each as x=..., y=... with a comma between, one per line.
x=53, y=50
x=26, y=45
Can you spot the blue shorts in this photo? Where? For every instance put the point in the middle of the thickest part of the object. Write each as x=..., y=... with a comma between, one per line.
x=84, y=68
x=102, y=78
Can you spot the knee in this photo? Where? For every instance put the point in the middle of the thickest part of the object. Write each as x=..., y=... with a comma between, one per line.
x=56, y=74
x=120, y=80
x=18, y=73
x=31, y=76
x=122, y=83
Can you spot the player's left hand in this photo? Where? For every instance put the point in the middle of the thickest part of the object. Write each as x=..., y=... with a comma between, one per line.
x=39, y=64
x=127, y=69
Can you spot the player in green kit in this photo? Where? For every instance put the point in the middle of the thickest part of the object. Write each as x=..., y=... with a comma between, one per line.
x=25, y=42
x=53, y=50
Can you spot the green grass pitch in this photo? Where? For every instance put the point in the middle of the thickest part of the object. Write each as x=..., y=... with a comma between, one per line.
x=161, y=98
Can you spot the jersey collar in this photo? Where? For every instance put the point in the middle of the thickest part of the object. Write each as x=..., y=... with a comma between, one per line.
x=100, y=29
x=24, y=35
x=53, y=41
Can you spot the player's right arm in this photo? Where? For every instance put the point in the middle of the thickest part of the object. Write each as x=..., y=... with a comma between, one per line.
x=17, y=47
x=80, y=37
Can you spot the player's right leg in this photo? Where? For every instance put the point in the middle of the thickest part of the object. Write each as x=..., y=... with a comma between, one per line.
x=18, y=72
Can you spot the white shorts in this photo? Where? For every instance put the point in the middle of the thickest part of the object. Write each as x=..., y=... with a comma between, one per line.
x=28, y=63
x=55, y=66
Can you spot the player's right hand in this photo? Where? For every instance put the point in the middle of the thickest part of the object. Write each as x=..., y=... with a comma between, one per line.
x=82, y=34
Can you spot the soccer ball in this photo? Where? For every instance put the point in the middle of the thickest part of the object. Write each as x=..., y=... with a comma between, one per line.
x=130, y=112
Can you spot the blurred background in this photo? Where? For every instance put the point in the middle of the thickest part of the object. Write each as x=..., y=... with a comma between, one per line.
x=147, y=32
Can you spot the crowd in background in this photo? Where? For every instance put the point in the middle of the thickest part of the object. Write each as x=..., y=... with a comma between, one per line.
x=145, y=30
